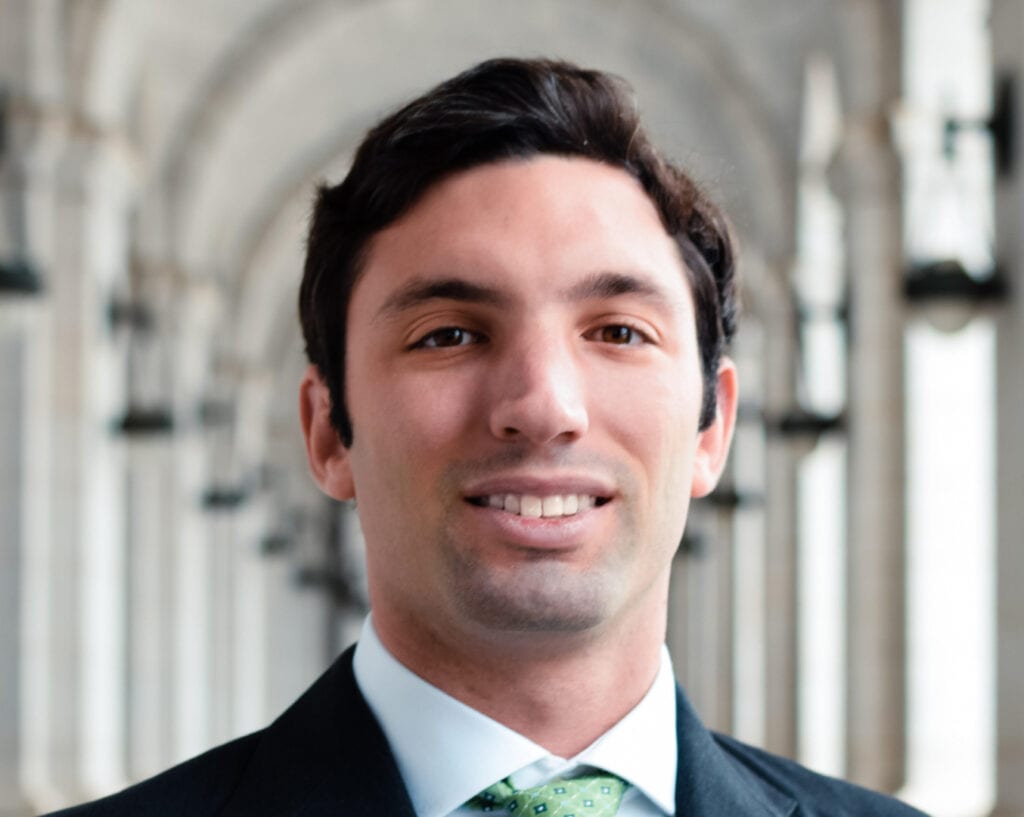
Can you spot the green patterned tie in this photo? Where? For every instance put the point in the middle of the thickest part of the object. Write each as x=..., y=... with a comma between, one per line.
x=596, y=795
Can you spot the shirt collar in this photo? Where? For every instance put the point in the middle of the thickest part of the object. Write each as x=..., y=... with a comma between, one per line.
x=447, y=752
x=642, y=747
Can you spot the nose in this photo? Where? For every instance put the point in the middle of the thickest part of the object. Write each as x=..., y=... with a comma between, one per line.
x=538, y=394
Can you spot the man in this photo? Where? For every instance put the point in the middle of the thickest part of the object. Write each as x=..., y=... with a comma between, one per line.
x=515, y=311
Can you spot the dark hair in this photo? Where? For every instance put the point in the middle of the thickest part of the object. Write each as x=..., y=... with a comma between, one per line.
x=504, y=109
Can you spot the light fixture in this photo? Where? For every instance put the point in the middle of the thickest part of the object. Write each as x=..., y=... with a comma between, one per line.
x=803, y=429
x=145, y=421
x=19, y=278
x=224, y=497
x=1001, y=126
x=133, y=315
x=947, y=296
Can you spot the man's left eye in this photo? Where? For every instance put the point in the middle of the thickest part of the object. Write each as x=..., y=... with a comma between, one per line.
x=448, y=337
x=620, y=334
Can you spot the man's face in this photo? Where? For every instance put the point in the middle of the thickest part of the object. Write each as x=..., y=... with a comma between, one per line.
x=524, y=385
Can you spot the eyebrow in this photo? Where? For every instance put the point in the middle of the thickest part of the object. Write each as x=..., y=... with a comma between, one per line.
x=612, y=285
x=593, y=287
x=447, y=289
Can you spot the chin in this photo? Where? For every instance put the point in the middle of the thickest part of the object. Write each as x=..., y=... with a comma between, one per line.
x=539, y=598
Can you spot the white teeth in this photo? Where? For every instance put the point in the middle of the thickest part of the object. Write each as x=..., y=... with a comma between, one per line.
x=531, y=507
x=551, y=506
x=535, y=507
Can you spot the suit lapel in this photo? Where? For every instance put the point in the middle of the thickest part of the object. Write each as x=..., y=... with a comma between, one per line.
x=326, y=755
x=709, y=783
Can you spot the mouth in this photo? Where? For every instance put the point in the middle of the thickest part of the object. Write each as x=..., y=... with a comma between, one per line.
x=533, y=506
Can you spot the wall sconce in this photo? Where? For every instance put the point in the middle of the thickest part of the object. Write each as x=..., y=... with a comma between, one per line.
x=146, y=414
x=1001, y=126
x=276, y=544
x=947, y=296
x=224, y=497
x=133, y=315
x=724, y=501
x=727, y=498
x=19, y=278
x=144, y=421
x=693, y=545
x=804, y=429
x=216, y=413
x=338, y=587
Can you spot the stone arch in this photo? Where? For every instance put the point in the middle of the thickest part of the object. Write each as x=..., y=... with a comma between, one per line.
x=740, y=125
x=229, y=222
x=209, y=208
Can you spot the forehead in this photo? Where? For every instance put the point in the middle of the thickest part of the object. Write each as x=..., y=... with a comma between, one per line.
x=537, y=222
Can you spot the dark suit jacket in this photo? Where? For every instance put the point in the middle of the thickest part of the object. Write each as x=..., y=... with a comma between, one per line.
x=327, y=757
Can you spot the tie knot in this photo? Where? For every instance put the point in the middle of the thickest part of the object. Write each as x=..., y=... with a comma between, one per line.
x=594, y=795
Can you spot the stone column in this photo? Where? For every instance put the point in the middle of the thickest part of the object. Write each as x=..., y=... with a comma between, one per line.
x=25, y=203
x=1007, y=30
x=720, y=625
x=190, y=603
x=234, y=592
x=150, y=571
x=252, y=575
x=33, y=140
x=700, y=614
x=16, y=364
x=781, y=460
x=748, y=532
x=222, y=587
x=297, y=631
x=100, y=190
x=251, y=658
x=870, y=193
x=195, y=308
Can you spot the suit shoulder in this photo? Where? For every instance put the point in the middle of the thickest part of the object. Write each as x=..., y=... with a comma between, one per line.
x=818, y=795
x=198, y=787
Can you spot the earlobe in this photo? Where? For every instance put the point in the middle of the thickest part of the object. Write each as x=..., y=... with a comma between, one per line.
x=328, y=457
x=714, y=441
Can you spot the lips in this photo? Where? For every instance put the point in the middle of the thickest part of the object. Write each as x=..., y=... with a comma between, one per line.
x=534, y=506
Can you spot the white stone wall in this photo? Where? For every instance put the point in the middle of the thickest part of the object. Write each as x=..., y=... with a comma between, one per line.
x=163, y=592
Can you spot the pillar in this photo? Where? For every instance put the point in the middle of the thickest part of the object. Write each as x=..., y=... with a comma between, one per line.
x=1007, y=29
x=194, y=310
x=150, y=573
x=32, y=145
x=780, y=479
x=700, y=625
x=15, y=486
x=870, y=193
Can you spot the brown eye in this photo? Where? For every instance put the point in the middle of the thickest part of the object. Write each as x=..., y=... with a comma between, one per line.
x=619, y=334
x=447, y=337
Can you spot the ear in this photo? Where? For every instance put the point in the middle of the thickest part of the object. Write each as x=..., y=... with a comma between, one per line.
x=713, y=442
x=328, y=458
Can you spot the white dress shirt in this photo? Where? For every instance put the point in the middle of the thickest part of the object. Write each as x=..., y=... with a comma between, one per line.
x=447, y=752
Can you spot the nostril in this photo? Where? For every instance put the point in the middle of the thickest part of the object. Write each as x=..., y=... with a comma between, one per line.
x=543, y=413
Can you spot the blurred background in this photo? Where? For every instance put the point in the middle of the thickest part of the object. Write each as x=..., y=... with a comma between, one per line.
x=169, y=575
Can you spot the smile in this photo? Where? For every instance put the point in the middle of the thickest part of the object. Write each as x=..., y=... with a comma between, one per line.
x=538, y=507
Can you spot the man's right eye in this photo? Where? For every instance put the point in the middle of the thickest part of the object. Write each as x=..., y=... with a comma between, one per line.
x=447, y=337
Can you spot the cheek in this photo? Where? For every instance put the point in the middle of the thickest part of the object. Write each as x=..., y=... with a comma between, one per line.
x=657, y=415
x=435, y=412
x=657, y=427
x=406, y=427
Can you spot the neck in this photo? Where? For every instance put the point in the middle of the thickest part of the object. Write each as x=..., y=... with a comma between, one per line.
x=562, y=691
